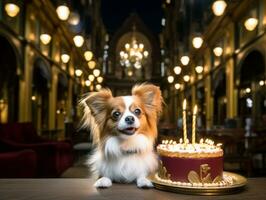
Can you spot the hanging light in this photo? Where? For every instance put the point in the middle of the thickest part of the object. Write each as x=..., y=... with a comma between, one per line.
x=261, y=82
x=12, y=9
x=96, y=72
x=99, y=79
x=177, y=86
x=218, y=7
x=186, y=78
x=248, y=90
x=45, y=38
x=251, y=23
x=78, y=40
x=65, y=58
x=88, y=55
x=170, y=79
x=63, y=12
x=218, y=51
x=197, y=42
x=184, y=60
x=177, y=70
x=146, y=53
x=199, y=69
x=87, y=83
x=74, y=19
x=78, y=72
x=91, y=77
x=92, y=64
x=98, y=87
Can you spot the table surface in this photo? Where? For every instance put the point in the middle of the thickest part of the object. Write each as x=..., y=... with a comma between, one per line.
x=79, y=189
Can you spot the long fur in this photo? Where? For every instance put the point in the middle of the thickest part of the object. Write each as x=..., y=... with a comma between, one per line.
x=110, y=158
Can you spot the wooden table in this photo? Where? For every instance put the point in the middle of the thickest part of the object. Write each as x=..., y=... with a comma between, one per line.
x=79, y=189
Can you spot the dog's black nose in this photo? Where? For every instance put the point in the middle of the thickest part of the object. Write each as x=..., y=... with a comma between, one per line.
x=129, y=120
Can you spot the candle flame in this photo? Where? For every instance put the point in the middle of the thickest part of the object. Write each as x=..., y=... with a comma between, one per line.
x=184, y=104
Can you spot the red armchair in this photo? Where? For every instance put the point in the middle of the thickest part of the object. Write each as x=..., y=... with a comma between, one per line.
x=53, y=157
x=20, y=164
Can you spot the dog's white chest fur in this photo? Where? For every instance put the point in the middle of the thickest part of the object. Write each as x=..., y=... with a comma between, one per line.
x=125, y=164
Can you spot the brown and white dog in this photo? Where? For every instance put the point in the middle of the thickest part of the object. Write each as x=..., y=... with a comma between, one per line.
x=124, y=129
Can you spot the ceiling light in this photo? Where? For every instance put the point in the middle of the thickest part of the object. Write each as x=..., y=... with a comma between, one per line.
x=12, y=9
x=218, y=7
x=65, y=58
x=199, y=69
x=78, y=40
x=96, y=72
x=92, y=64
x=99, y=79
x=87, y=83
x=63, y=12
x=177, y=70
x=91, y=77
x=78, y=72
x=186, y=78
x=261, y=83
x=45, y=38
x=197, y=42
x=248, y=90
x=177, y=86
x=184, y=60
x=251, y=23
x=218, y=51
x=98, y=87
x=74, y=19
x=170, y=79
x=88, y=55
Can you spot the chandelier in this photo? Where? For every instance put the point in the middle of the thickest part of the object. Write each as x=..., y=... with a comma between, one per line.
x=133, y=54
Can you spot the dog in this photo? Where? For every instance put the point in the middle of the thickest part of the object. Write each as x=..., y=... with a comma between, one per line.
x=124, y=129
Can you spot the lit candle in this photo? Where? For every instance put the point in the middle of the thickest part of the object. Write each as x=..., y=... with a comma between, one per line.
x=194, y=118
x=184, y=121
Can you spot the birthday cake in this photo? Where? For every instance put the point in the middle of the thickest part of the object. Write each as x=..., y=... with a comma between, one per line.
x=191, y=164
x=199, y=164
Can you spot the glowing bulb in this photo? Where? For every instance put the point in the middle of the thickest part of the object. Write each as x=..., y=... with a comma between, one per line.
x=45, y=38
x=218, y=7
x=218, y=51
x=65, y=58
x=92, y=64
x=87, y=83
x=251, y=23
x=74, y=19
x=127, y=46
x=261, y=83
x=96, y=72
x=197, y=42
x=63, y=12
x=141, y=46
x=248, y=90
x=177, y=70
x=129, y=73
x=184, y=60
x=78, y=40
x=33, y=98
x=91, y=77
x=170, y=79
x=99, y=79
x=177, y=86
x=186, y=78
x=12, y=9
x=78, y=72
x=88, y=55
x=199, y=69
x=145, y=53
x=98, y=87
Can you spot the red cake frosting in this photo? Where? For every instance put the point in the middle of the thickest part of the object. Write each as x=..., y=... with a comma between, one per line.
x=192, y=163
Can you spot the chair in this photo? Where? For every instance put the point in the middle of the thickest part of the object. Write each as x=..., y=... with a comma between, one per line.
x=19, y=164
x=53, y=157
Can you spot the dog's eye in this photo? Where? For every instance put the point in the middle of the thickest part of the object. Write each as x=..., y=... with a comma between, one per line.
x=116, y=114
x=137, y=111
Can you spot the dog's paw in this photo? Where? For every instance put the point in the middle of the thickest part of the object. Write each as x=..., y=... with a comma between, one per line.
x=103, y=182
x=144, y=183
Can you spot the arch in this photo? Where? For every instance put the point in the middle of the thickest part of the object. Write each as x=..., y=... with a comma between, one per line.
x=62, y=86
x=41, y=74
x=9, y=81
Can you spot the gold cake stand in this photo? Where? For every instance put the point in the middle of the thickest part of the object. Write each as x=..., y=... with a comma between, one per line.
x=239, y=183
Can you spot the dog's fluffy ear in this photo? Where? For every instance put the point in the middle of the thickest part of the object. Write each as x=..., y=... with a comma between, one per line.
x=151, y=96
x=95, y=111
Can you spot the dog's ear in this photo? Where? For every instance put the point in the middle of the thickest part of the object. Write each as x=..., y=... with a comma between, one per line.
x=150, y=95
x=95, y=111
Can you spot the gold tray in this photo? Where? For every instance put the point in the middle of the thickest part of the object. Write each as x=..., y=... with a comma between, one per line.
x=237, y=186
